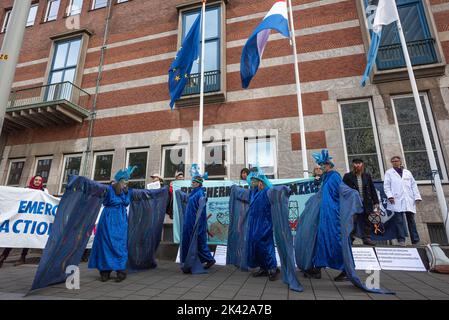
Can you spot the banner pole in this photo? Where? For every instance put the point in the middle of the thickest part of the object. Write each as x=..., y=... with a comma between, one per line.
x=201, y=111
x=433, y=164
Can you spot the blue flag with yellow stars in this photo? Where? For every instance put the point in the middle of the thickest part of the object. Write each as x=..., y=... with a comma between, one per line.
x=179, y=72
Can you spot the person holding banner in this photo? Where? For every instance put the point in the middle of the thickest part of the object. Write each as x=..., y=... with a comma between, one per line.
x=36, y=183
x=195, y=227
x=110, y=247
x=261, y=249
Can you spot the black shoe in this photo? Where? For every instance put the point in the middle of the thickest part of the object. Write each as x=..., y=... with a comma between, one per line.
x=313, y=273
x=120, y=276
x=209, y=264
x=273, y=274
x=20, y=262
x=187, y=271
x=105, y=276
x=369, y=242
x=260, y=273
x=341, y=277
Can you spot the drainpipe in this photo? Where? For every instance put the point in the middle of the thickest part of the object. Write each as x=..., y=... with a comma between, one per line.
x=93, y=114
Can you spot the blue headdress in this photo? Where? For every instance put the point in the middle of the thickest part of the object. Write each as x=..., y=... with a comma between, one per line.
x=196, y=174
x=257, y=173
x=124, y=174
x=323, y=157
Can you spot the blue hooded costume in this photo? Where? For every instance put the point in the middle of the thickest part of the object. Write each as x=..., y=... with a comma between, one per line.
x=261, y=250
x=194, y=248
x=139, y=235
x=258, y=220
x=324, y=228
x=110, y=247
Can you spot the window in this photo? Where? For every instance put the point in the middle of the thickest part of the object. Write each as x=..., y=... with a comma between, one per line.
x=6, y=20
x=72, y=166
x=74, y=7
x=103, y=167
x=32, y=15
x=63, y=69
x=97, y=4
x=52, y=10
x=43, y=165
x=173, y=159
x=262, y=151
x=417, y=34
x=137, y=158
x=360, y=136
x=215, y=160
x=412, y=140
x=212, y=60
x=15, y=172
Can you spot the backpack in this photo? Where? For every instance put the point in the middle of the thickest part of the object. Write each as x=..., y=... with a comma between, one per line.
x=438, y=261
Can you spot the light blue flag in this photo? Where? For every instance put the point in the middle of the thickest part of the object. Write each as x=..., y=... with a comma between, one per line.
x=386, y=13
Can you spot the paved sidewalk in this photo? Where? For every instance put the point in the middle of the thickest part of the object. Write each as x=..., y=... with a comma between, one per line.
x=224, y=283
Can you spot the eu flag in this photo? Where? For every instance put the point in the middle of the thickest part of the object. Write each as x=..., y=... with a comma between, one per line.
x=180, y=69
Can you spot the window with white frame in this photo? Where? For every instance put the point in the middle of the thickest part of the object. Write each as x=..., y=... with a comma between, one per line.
x=412, y=139
x=97, y=4
x=262, y=151
x=6, y=20
x=43, y=166
x=15, y=172
x=215, y=155
x=102, y=168
x=173, y=160
x=138, y=158
x=32, y=15
x=360, y=136
x=71, y=166
x=52, y=10
x=75, y=7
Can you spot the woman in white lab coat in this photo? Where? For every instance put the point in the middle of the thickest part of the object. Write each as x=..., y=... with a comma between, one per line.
x=403, y=194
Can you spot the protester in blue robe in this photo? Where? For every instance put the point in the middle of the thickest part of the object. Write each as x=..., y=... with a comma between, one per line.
x=194, y=229
x=261, y=250
x=110, y=247
x=323, y=236
x=328, y=247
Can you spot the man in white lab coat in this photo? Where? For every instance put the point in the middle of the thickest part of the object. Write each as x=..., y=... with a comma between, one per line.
x=403, y=194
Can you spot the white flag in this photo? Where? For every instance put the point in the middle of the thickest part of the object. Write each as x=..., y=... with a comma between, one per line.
x=386, y=13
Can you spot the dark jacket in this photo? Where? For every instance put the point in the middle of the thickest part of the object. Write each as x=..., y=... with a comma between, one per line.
x=369, y=191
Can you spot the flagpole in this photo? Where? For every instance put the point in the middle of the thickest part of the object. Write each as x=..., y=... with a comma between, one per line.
x=305, y=165
x=200, y=124
x=422, y=121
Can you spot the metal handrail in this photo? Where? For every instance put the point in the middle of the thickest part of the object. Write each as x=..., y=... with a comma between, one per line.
x=66, y=90
x=212, y=83
x=421, y=52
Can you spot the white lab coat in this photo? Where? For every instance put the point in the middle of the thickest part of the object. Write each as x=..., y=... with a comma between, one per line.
x=404, y=191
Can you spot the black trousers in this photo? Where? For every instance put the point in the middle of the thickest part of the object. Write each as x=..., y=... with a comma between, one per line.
x=7, y=251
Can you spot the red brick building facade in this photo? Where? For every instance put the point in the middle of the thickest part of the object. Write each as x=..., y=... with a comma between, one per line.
x=133, y=123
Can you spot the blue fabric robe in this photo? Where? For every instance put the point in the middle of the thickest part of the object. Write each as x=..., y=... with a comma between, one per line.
x=110, y=247
x=76, y=217
x=324, y=229
x=238, y=234
x=261, y=252
x=194, y=232
x=328, y=251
